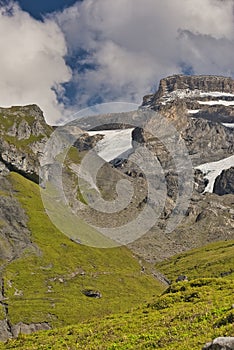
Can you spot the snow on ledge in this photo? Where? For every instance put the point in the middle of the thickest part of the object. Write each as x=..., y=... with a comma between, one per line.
x=193, y=111
x=213, y=170
x=217, y=102
x=228, y=125
x=115, y=143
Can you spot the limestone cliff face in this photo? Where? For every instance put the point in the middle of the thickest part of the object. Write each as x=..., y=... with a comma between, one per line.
x=202, y=109
x=205, y=83
x=23, y=134
x=208, y=97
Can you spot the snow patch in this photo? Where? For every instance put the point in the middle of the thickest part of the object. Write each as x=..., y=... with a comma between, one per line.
x=213, y=170
x=193, y=111
x=187, y=93
x=229, y=125
x=115, y=143
x=182, y=93
x=217, y=102
x=216, y=94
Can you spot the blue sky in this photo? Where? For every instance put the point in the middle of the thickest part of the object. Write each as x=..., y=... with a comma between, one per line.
x=67, y=55
x=38, y=8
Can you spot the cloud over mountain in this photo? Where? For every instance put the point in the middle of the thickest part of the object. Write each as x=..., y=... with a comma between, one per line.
x=128, y=45
x=32, y=66
x=108, y=50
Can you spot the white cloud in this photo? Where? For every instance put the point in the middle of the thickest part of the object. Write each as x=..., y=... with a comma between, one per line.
x=133, y=43
x=32, y=65
x=128, y=44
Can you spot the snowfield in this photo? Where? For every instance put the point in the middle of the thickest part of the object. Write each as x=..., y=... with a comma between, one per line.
x=214, y=169
x=118, y=143
x=115, y=143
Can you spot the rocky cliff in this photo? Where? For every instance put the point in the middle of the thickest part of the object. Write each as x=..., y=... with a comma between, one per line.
x=23, y=134
x=202, y=108
x=192, y=88
x=204, y=83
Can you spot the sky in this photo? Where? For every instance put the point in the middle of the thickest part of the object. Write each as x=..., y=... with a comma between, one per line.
x=67, y=55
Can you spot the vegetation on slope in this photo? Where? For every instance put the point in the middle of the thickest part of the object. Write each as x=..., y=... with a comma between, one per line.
x=213, y=260
x=184, y=317
x=48, y=285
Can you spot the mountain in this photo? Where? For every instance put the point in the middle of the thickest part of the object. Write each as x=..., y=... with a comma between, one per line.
x=50, y=279
x=202, y=108
x=196, y=107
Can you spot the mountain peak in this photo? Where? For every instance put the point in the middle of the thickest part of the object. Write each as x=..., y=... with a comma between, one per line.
x=204, y=83
x=191, y=86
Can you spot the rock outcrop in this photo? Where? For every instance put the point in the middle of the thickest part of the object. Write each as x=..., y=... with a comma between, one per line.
x=221, y=343
x=23, y=134
x=197, y=106
x=23, y=328
x=224, y=183
x=15, y=237
x=204, y=83
x=85, y=142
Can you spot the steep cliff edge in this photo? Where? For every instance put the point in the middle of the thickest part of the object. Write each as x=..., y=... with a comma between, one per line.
x=23, y=134
x=202, y=109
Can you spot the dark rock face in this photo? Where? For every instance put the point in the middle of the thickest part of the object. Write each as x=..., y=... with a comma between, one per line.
x=224, y=183
x=221, y=343
x=92, y=293
x=182, y=278
x=14, y=234
x=86, y=142
x=23, y=134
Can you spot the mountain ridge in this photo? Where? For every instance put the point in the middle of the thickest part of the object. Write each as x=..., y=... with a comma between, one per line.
x=32, y=249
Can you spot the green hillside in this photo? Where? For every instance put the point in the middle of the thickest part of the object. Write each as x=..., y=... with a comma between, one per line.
x=185, y=316
x=215, y=259
x=47, y=285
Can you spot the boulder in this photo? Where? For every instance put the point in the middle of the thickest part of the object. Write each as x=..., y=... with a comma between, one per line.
x=23, y=328
x=92, y=293
x=221, y=343
x=224, y=183
x=5, y=331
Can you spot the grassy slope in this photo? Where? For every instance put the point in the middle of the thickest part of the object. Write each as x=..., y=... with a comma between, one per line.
x=184, y=317
x=211, y=260
x=47, y=285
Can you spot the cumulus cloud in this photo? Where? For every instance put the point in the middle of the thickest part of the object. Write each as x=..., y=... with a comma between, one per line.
x=32, y=65
x=117, y=50
x=128, y=45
